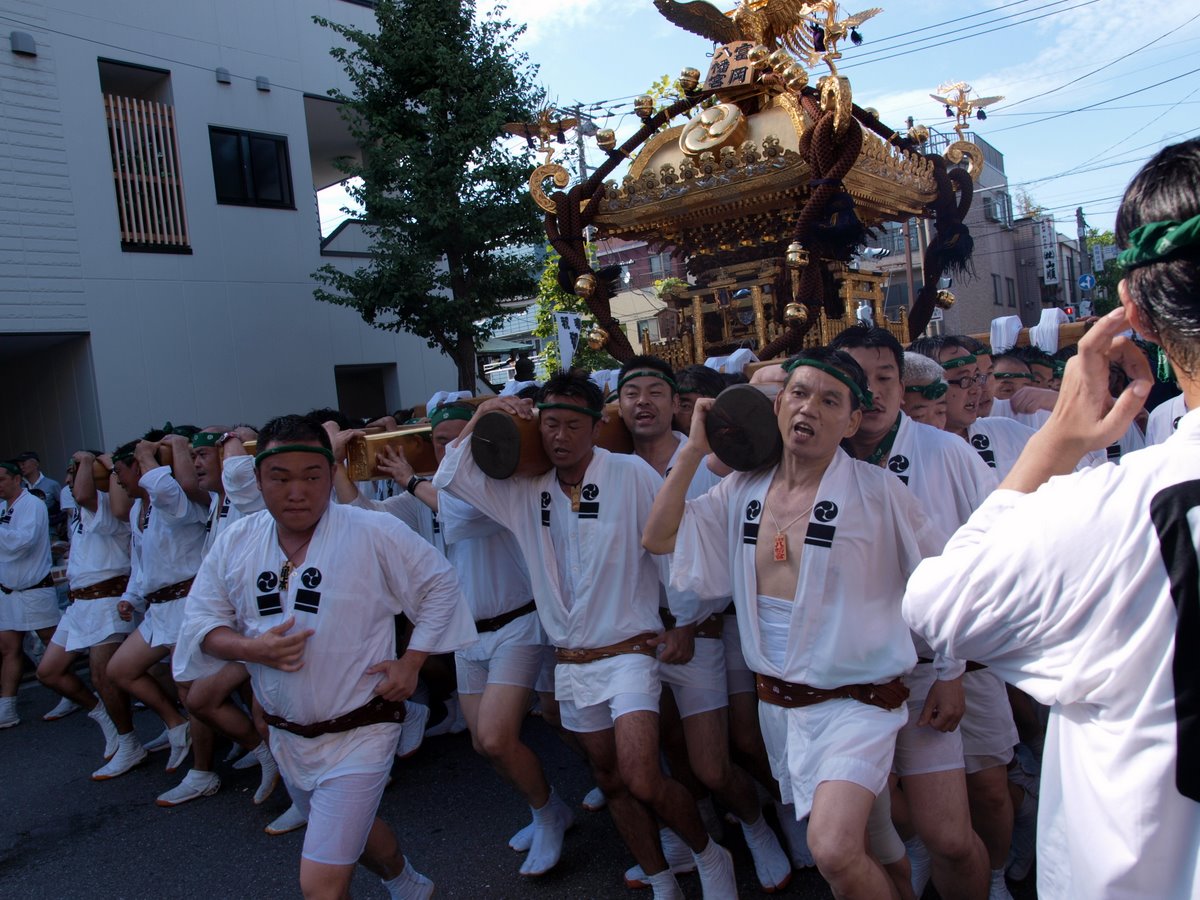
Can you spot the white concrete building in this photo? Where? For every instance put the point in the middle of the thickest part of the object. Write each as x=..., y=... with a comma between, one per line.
x=158, y=226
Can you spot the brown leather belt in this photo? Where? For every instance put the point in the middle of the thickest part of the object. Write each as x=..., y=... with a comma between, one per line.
x=109, y=587
x=783, y=693
x=374, y=712
x=636, y=644
x=495, y=623
x=175, y=591
x=705, y=628
x=48, y=581
x=972, y=666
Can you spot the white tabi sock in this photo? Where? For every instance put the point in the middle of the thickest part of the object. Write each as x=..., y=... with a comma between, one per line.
x=665, y=886
x=771, y=865
x=550, y=823
x=99, y=715
x=918, y=860
x=998, y=890
x=409, y=885
x=714, y=865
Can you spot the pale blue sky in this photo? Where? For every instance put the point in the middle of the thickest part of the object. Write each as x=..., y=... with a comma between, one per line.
x=605, y=51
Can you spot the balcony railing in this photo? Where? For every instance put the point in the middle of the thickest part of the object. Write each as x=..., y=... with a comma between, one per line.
x=146, y=174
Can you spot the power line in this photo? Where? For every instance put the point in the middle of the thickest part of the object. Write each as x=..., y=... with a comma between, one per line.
x=1099, y=102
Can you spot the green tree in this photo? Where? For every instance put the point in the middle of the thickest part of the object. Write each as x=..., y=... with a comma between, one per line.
x=551, y=298
x=1104, y=297
x=446, y=201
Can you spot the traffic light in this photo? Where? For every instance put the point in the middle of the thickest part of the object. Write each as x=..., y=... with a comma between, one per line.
x=1070, y=311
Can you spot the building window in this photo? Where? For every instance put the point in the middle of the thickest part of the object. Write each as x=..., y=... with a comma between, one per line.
x=144, y=146
x=647, y=327
x=251, y=169
x=1012, y=291
x=997, y=297
x=660, y=264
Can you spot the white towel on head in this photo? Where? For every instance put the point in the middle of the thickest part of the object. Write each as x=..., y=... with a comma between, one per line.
x=1004, y=333
x=442, y=397
x=739, y=359
x=514, y=387
x=1044, y=335
x=605, y=379
x=717, y=363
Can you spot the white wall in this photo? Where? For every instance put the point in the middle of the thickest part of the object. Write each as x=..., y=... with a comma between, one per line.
x=231, y=331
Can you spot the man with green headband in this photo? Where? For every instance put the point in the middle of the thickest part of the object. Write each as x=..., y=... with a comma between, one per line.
x=305, y=594
x=496, y=674
x=924, y=391
x=97, y=572
x=579, y=526
x=695, y=712
x=28, y=601
x=815, y=551
x=167, y=524
x=205, y=683
x=949, y=482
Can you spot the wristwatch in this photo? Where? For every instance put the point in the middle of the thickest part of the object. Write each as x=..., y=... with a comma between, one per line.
x=411, y=487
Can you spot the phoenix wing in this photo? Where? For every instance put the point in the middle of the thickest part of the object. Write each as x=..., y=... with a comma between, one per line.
x=985, y=101
x=858, y=18
x=700, y=18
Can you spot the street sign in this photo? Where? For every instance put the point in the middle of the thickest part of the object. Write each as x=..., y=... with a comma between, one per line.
x=937, y=315
x=1087, y=282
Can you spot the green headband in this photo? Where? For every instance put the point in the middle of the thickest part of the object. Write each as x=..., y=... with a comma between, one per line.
x=1005, y=375
x=126, y=456
x=10, y=467
x=864, y=397
x=587, y=411
x=1060, y=367
x=1157, y=241
x=206, y=439
x=449, y=413
x=651, y=373
x=960, y=361
x=293, y=448
x=932, y=391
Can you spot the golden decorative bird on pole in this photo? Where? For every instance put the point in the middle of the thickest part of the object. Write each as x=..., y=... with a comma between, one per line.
x=955, y=97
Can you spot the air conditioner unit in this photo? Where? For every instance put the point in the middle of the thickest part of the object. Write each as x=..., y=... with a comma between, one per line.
x=993, y=209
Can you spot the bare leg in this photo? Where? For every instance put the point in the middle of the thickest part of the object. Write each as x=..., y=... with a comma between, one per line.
x=748, y=747
x=116, y=701
x=54, y=671
x=992, y=812
x=496, y=733
x=322, y=881
x=382, y=854
x=203, y=738
x=837, y=838
x=128, y=670
x=10, y=662
x=938, y=811
x=708, y=748
x=208, y=701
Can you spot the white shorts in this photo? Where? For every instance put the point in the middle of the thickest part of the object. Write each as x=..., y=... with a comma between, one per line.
x=514, y=664
x=545, y=678
x=738, y=677
x=699, y=685
x=88, y=623
x=29, y=610
x=591, y=696
x=341, y=811
x=838, y=740
x=161, y=626
x=921, y=749
x=988, y=731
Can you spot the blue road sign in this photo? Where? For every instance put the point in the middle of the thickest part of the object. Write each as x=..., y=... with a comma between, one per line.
x=1087, y=282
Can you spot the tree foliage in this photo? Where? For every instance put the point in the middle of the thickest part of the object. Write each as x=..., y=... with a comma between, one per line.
x=551, y=298
x=446, y=203
x=1104, y=296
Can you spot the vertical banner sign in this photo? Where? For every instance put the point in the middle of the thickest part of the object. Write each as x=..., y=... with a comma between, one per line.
x=1049, y=249
x=570, y=325
x=1097, y=257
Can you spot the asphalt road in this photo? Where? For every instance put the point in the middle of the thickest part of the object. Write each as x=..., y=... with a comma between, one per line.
x=64, y=836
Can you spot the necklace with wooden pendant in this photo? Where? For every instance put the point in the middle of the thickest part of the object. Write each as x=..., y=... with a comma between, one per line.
x=575, y=492
x=287, y=569
x=781, y=545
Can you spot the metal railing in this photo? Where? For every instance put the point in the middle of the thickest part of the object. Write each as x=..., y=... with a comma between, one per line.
x=146, y=173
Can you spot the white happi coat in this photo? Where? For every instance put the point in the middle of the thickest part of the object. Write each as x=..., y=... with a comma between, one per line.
x=360, y=570
x=1080, y=594
x=1003, y=409
x=865, y=535
x=411, y=511
x=1132, y=440
x=593, y=582
x=168, y=550
x=241, y=484
x=99, y=551
x=25, y=561
x=1164, y=419
x=999, y=442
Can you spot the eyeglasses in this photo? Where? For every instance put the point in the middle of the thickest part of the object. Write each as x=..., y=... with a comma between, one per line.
x=967, y=380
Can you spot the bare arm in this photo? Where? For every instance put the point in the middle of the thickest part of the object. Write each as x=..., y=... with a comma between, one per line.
x=184, y=468
x=83, y=488
x=667, y=511
x=393, y=463
x=274, y=648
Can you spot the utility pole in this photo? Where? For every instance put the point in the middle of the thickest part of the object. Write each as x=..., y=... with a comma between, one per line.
x=1085, y=262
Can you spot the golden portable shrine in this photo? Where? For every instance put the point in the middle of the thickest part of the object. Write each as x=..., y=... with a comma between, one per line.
x=765, y=190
